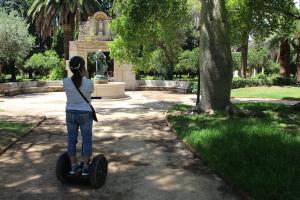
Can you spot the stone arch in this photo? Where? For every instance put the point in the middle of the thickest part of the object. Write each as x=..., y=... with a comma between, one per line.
x=101, y=16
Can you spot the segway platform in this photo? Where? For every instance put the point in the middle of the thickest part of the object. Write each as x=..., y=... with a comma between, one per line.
x=97, y=174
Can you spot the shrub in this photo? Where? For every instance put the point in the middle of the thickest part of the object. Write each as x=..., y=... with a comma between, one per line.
x=193, y=87
x=245, y=82
x=57, y=73
x=2, y=78
x=46, y=64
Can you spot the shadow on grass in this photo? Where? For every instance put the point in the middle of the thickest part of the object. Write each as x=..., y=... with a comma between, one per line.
x=256, y=154
x=291, y=98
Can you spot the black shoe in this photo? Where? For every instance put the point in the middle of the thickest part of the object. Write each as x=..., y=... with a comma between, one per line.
x=75, y=169
x=85, y=170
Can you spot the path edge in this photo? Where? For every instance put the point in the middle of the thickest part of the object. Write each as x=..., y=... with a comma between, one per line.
x=41, y=120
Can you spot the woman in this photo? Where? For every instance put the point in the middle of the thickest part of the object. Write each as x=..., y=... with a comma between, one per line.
x=79, y=114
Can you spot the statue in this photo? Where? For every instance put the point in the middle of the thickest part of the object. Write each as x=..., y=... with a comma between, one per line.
x=101, y=67
x=100, y=32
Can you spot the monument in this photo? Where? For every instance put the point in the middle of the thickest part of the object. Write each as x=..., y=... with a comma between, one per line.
x=94, y=35
x=101, y=67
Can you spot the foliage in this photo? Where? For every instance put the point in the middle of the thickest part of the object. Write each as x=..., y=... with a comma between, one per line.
x=20, y=6
x=58, y=41
x=106, y=5
x=193, y=87
x=15, y=39
x=236, y=60
x=2, y=77
x=188, y=60
x=58, y=72
x=47, y=13
x=257, y=57
x=258, y=81
x=259, y=18
x=253, y=153
x=146, y=28
x=246, y=82
x=271, y=67
x=44, y=63
x=193, y=33
x=261, y=80
x=16, y=42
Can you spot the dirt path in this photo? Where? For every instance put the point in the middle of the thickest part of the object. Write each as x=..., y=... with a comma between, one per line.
x=146, y=162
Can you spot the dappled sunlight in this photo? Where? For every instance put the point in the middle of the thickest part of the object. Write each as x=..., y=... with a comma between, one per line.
x=144, y=158
x=23, y=181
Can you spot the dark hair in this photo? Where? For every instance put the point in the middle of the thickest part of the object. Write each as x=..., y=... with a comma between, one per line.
x=76, y=65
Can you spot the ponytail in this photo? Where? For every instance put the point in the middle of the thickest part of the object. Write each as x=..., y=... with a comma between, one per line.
x=77, y=79
x=77, y=66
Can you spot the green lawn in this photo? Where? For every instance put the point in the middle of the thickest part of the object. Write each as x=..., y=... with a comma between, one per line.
x=10, y=131
x=259, y=155
x=274, y=92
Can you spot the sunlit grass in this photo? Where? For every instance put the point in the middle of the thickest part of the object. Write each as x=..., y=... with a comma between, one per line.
x=259, y=155
x=274, y=92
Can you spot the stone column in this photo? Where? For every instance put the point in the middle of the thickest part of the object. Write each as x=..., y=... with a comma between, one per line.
x=93, y=27
x=106, y=27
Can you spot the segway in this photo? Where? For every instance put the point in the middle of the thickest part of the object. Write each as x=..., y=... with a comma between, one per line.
x=97, y=174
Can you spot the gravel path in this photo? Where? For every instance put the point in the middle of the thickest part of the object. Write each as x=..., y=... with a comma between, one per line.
x=146, y=162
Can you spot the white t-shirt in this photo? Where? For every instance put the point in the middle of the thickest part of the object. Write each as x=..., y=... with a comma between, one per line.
x=74, y=100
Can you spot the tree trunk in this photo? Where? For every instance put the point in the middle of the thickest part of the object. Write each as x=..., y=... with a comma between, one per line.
x=298, y=60
x=254, y=72
x=215, y=56
x=244, y=56
x=30, y=74
x=169, y=73
x=284, y=58
x=68, y=35
x=13, y=71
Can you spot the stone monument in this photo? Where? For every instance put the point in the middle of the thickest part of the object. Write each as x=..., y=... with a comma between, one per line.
x=95, y=34
x=101, y=67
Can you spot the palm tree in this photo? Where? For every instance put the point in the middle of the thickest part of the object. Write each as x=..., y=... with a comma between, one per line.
x=279, y=47
x=48, y=13
x=297, y=47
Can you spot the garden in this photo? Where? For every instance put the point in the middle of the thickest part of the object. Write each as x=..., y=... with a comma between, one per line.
x=225, y=51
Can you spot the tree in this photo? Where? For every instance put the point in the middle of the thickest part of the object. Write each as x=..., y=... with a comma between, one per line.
x=215, y=56
x=20, y=6
x=106, y=5
x=15, y=43
x=43, y=63
x=297, y=48
x=258, y=19
x=46, y=13
x=143, y=27
x=188, y=61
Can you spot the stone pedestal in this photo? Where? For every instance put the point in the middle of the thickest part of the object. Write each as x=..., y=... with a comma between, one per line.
x=100, y=81
x=110, y=90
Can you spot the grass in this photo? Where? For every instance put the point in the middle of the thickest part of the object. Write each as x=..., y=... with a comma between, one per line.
x=259, y=155
x=274, y=92
x=10, y=131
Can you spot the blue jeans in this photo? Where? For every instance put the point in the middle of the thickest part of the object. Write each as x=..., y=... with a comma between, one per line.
x=76, y=119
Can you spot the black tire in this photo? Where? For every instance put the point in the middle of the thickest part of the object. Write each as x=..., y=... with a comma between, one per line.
x=98, y=171
x=63, y=166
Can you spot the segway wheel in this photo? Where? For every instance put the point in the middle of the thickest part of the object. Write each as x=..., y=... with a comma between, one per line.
x=98, y=171
x=63, y=166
